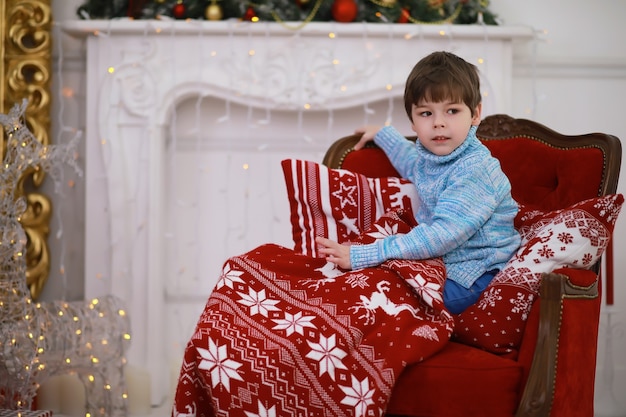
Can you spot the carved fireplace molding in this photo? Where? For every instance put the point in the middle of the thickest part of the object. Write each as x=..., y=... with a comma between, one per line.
x=25, y=72
x=139, y=72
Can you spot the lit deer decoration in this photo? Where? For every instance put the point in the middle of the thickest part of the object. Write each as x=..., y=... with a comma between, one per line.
x=39, y=340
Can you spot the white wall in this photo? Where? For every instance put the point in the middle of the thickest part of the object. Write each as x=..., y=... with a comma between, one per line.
x=572, y=79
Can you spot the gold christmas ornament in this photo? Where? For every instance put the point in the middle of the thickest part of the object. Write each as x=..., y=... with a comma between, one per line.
x=213, y=12
x=388, y=3
x=160, y=1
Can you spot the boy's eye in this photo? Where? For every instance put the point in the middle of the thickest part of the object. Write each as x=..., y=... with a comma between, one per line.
x=425, y=113
x=453, y=111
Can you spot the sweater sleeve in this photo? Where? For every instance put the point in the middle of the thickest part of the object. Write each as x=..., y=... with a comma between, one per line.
x=461, y=211
x=400, y=151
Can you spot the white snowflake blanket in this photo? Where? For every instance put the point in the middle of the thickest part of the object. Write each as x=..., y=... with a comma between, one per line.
x=285, y=334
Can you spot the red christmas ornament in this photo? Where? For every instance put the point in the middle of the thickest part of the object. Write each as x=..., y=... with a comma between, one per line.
x=404, y=16
x=344, y=10
x=250, y=13
x=179, y=11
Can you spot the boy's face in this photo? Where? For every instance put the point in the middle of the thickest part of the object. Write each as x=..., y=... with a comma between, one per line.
x=442, y=127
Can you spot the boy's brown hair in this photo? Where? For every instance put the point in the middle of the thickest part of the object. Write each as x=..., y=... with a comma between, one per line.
x=442, y=76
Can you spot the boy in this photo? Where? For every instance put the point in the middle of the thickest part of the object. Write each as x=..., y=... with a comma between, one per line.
x=466, y=210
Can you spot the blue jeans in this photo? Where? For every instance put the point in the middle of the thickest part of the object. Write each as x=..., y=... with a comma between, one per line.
x=457, y=298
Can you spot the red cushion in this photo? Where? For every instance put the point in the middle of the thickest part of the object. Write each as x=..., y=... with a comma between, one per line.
x=459, y=381
x=547, y=177
x=371, y=162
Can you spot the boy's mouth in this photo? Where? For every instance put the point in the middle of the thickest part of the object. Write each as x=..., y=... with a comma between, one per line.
x=439, y=138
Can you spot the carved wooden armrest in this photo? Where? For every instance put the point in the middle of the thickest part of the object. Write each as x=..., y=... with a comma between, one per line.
x=538, y=394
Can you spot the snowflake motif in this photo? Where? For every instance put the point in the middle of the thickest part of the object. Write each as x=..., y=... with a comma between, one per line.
x=521, y=304
x=565, y=238
x=546, y=252
x=360, y=396
x=229, y=277
x=587, y=258
x=215, y=361
x=357, y=280
x=426, y=332
x=294, y=323
x=490, y=298
x=328, y=355
x=263, y=412
x=258, y=302
x=384, y=231
x=427, y=291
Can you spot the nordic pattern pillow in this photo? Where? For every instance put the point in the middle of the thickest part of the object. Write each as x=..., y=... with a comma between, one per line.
x=574, y=237
x=338, y=204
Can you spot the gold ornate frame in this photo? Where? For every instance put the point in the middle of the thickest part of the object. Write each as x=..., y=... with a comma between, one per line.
x=25, y=72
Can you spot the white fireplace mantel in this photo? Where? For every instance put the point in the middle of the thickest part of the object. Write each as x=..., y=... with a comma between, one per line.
x=138, y=72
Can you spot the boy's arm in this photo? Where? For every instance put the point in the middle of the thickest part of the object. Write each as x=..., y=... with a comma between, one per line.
x=455, y=219
x=400, y=151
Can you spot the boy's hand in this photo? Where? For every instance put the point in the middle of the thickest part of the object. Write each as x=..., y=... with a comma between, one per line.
x=367, y=134
x=334, y=252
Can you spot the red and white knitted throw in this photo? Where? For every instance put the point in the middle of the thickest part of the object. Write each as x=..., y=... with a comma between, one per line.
x=284, y=334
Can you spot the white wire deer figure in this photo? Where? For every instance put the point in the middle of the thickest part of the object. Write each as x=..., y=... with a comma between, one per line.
x=39, y=340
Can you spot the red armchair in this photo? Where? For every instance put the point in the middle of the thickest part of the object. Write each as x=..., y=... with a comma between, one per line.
x=549, y=369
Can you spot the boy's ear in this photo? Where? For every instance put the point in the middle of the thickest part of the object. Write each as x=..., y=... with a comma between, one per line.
x=476, y=116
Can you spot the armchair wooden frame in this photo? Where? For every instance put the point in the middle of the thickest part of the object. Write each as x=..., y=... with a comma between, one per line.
x=538, y=393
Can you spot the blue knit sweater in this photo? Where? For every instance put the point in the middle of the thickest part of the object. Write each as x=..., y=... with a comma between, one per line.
x=465, y=211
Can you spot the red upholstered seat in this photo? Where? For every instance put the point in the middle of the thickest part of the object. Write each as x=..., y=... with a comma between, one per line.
x=462, y=381
x=550, y=372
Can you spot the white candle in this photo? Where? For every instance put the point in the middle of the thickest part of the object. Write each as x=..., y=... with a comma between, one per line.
x=72, y=395
x=138, y=385
x=48, y=395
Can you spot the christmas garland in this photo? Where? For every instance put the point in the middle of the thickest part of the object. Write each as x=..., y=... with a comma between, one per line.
x=302, y=11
